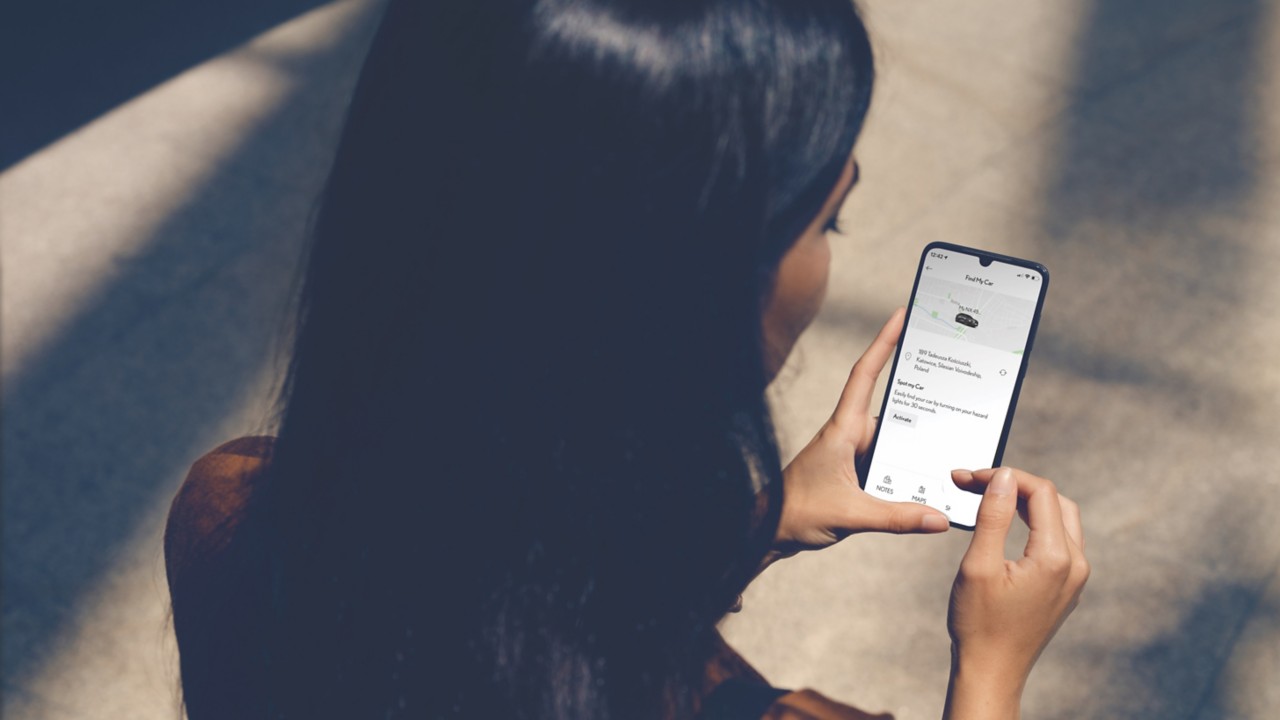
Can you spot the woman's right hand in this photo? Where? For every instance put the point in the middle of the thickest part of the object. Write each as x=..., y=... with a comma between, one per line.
x=1004, y=612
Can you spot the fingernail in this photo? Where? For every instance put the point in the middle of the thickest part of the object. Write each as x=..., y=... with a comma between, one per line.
x=1002, y=483
x=961, y=475
x=934, y=523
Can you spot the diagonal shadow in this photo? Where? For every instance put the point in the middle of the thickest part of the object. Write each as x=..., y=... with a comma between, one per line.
x=106, y=418
x=1202, y=608
x=1246, y=687
x=1145, y=226
x=1158, y=146
x=65, y=62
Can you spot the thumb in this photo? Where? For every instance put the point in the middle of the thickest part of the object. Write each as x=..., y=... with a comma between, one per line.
x=995, y=516
x=870, y=514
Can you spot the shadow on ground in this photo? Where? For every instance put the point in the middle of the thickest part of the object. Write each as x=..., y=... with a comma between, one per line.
x=104, y=420
x=65, y=62
x=1146, y=228
x=1163, y=118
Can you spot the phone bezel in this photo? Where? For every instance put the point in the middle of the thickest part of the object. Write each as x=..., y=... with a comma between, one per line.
x=865, y=466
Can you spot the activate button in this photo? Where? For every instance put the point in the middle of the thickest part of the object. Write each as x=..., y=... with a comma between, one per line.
x=904, y=418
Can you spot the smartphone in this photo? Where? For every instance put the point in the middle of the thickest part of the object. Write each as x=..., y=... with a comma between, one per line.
x=956, y=375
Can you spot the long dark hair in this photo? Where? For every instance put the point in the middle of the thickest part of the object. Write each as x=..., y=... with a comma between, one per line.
x=526, y=461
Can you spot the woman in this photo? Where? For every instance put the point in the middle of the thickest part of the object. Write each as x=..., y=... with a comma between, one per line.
x=525, y=462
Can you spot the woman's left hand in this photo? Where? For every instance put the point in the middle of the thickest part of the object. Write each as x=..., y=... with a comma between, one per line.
x=822, y=502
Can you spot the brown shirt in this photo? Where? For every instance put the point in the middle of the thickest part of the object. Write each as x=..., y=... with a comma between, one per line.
x=204, y=520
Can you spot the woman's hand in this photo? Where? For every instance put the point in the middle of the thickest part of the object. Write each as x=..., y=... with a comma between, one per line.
x=822, y=502
x=1003, y=612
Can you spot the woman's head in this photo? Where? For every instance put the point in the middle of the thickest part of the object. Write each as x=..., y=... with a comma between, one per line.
x=800, y=281
x=525, y=423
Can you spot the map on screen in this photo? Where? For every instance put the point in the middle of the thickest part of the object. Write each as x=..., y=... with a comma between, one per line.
x=971, y=313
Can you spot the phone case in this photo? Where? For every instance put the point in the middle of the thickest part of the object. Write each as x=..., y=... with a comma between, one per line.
x=865, y=465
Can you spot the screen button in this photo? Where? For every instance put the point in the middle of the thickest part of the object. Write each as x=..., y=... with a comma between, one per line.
x=920, y=495
x=904, y=418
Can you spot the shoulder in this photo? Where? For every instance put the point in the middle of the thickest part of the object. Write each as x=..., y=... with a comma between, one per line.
x=211, y=503
x=737, y=700
x=811, y=705
x=217, y=574
x=735, y=689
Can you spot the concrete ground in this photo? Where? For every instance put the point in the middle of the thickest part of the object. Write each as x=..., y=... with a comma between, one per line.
x=150, y=230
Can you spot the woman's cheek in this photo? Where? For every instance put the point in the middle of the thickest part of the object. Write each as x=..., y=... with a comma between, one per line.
x=818, y=271
x=799, y=289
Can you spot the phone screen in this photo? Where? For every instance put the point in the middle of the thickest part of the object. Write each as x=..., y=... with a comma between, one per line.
x=956, y=376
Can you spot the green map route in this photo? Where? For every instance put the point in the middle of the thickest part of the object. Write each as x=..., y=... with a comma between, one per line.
x=972, y=313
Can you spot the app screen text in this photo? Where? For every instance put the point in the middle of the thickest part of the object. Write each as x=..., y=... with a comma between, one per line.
x=957, y=369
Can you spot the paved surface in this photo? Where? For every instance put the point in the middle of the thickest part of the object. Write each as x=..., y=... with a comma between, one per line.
x=1133, y=148
x=147, y=257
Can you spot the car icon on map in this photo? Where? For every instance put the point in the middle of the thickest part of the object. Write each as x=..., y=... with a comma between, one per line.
x=966, y=319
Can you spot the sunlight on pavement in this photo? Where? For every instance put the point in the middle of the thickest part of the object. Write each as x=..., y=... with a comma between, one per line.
x=77, y=216
x=78, y=210
x=117, y=657
x=1248, y=685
